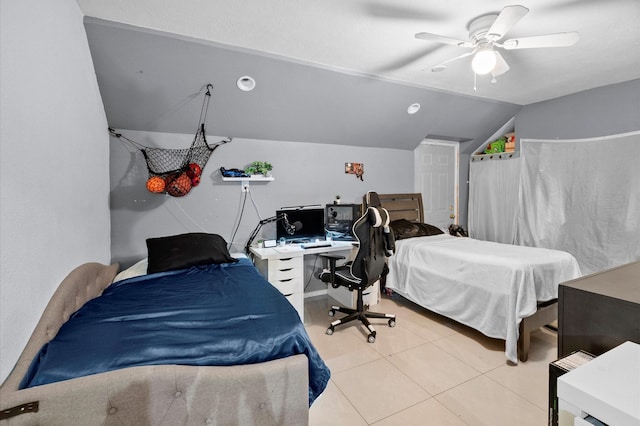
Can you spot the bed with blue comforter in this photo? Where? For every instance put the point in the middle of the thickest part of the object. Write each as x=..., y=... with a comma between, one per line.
x=206, y=315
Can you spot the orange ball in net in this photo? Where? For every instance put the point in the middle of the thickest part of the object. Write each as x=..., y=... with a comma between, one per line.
x=156, y=184
x=179, y=185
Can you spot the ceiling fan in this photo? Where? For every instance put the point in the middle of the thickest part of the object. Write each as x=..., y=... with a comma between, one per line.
x=485, y=35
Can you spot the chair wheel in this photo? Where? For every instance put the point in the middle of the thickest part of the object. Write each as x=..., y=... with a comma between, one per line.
x=331, y=312
x=392, y=322
x=371, y=338
x=329, y=331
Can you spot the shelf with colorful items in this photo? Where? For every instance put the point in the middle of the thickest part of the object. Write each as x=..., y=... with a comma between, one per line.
x=258, y=171
x=502, y=148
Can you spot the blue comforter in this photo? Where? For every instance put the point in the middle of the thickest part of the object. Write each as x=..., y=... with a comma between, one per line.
x=208, y=315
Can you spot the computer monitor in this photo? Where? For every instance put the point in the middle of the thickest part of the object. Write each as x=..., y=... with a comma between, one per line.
x=301, y=225
x=339, y=220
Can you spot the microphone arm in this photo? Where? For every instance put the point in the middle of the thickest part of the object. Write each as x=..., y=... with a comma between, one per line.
x=263, y=222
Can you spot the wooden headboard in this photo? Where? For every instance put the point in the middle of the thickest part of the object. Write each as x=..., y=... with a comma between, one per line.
x=403, y=206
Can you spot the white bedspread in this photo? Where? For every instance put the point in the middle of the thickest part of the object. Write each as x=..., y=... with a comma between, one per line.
x=485, y=285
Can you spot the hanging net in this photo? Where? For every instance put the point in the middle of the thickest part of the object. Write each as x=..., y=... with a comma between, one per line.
x=177, y=171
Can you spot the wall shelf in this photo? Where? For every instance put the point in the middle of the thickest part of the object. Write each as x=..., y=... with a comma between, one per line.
x=480, y=155
x=495, y=156
x=248, y=179
x=244, y=187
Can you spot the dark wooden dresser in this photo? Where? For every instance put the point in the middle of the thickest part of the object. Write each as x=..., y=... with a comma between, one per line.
x=599, y=311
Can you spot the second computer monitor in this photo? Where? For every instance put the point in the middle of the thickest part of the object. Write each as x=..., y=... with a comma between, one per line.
x=339, y=220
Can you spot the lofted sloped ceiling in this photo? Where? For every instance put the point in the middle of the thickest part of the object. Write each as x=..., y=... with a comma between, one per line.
x=341, y=72
x=155, y=82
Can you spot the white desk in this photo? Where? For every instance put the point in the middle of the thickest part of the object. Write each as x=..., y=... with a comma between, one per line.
x=607, y=388
x=283, y=267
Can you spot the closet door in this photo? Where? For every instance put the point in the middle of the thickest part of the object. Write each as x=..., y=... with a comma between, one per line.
x=436, y=173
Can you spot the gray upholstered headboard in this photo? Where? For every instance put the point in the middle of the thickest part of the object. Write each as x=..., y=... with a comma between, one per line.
x=81, y=285
x=269, y=393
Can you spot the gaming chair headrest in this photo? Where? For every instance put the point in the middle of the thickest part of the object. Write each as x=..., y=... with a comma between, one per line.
x=372, y=199
x=378, y=217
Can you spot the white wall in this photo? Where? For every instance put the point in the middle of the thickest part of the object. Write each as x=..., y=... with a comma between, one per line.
x=54, y=162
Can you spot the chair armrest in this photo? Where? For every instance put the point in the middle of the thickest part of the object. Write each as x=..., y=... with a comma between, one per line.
x=332, y=258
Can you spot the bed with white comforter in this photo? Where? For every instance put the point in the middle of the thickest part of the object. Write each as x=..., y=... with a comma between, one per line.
x=485, y=285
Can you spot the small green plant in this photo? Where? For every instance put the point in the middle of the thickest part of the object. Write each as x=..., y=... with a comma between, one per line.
x=258, y=168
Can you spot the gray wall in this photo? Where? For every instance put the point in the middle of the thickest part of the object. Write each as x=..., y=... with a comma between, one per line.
x=54, y=173
x=308, y=173
x=597, y=112
x=601, y=111
x=304, y=173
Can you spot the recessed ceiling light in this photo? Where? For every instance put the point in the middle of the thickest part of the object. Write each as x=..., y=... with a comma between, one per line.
x=413, y=108
x=246, y=83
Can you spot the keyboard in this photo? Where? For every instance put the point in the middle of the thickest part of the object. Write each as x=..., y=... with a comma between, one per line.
x=318, y=244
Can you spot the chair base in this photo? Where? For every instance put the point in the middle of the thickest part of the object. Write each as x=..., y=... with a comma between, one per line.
x=362, y=316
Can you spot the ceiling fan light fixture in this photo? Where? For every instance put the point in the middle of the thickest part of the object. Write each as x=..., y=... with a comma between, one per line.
x=484, y=61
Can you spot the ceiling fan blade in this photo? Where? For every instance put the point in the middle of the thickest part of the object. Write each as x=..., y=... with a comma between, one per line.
x=509, y=16
x=443, y=65
x=408, y=59
x=548, y=40
x=443, y=39
x=501, y=65
x=381, y=9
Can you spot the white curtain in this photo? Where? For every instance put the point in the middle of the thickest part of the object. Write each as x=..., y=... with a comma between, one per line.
x=493, y=199
x=582, y=196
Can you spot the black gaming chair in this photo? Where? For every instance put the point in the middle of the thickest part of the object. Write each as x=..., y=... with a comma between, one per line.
x=376, y=243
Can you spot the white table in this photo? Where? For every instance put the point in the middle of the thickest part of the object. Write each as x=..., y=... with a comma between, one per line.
x=607, y=388
x=283, y=267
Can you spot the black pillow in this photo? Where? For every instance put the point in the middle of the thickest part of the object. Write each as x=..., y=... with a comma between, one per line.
x=403, y=228
x=186, y=250
x=428, y=230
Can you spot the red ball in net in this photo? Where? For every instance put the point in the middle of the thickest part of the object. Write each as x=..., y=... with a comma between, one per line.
x=195, y=181
x=178, y=185
x=194, y=170
x=156, y=184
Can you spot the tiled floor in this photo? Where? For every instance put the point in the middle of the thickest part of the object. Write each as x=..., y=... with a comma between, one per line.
x=427, y=370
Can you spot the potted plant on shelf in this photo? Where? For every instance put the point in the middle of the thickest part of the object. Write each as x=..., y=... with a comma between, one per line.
x=258, y=168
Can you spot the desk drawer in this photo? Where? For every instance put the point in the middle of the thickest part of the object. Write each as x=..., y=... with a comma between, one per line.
x=285, y=274
x=288, y=262
x=284, y=269
x=288, y=286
